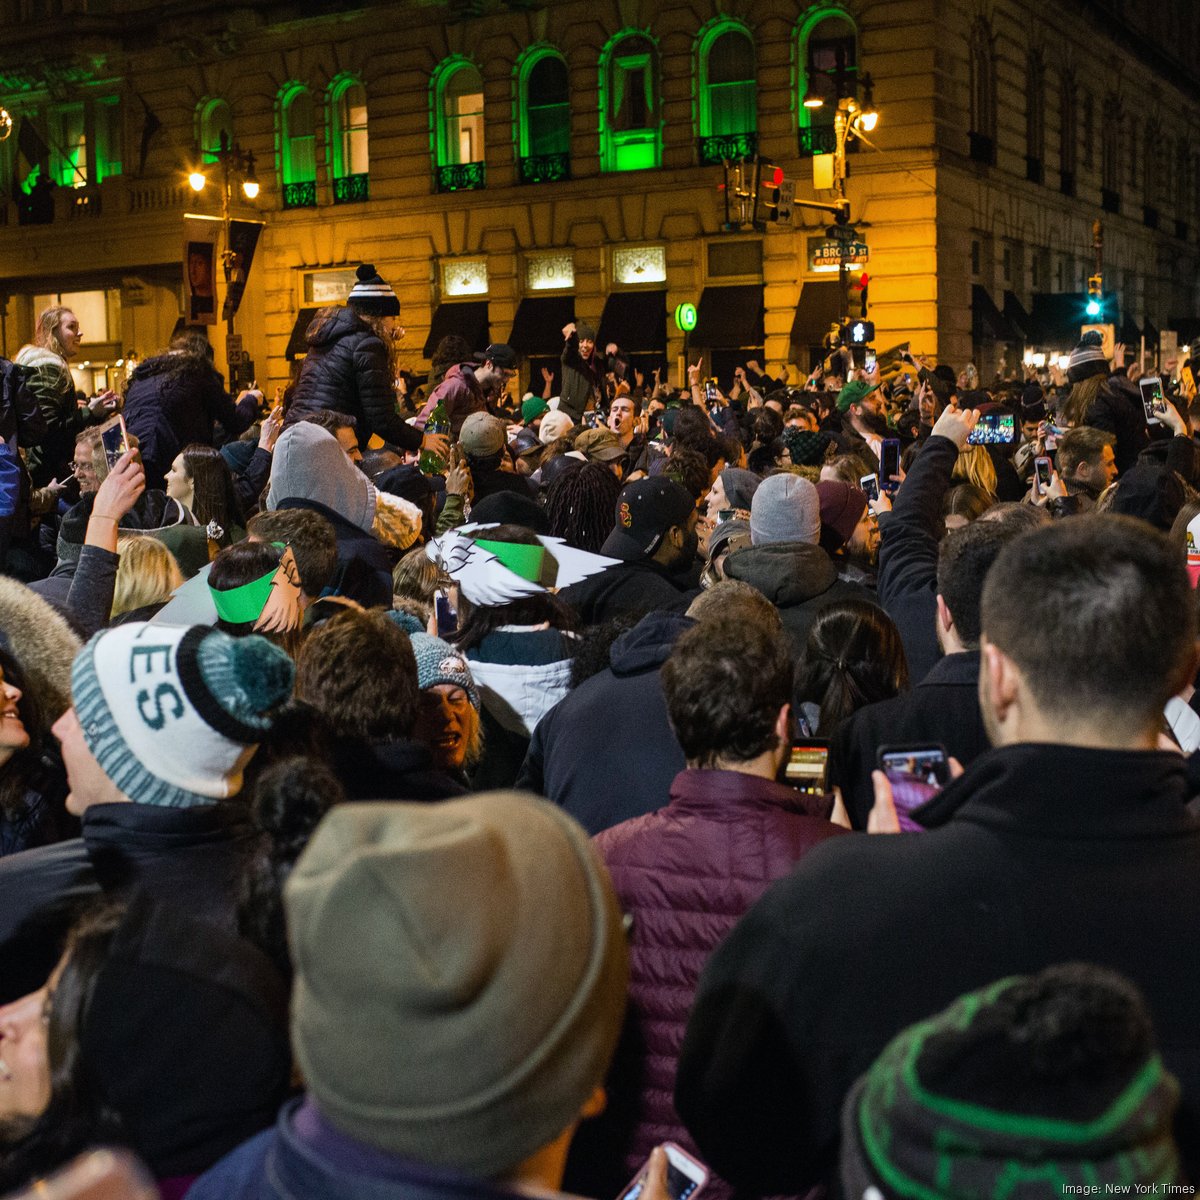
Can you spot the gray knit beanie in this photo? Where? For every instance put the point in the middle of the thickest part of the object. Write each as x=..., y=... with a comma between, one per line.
x=740, y=486
x=786, y=508
x=1087, y=358
x=174, y=714
x=461, y=972
x=439, y=662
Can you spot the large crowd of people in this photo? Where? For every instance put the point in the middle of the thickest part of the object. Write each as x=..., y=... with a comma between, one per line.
x=773, y=786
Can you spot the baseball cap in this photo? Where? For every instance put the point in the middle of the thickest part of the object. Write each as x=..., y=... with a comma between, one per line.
x=599, y=445
x=646, y=509
x=482, y=435
x=500, y=355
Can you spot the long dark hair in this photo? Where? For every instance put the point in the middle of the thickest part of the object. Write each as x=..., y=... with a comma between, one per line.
x=476, y=622
x=37, y=763
x=213, y=495
x=853, y=657
x=76, y=1116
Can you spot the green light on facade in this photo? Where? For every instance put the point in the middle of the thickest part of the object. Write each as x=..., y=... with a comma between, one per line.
x=685, y=317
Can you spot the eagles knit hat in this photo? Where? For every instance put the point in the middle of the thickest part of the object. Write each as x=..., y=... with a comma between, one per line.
x=1038, y=1086
x=646, y=509
x=786, y=508
x=482, y=435
x=461, y=972
x=842, y=507
x=370, y=296
x=439, y=662
x=532, y=408
x=806, y=446
x=174, y=714
x=853, y=392
x=1087, y=359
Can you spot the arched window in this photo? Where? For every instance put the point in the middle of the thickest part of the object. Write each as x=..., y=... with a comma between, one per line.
x=348, y=120
x=728, y=94
x=827, y=54
x=543, y=117
x=982, y=134
x=298, y=147
x=458, y=126
x=630, y=109
x=1110, y=155
x=1035, y=118
x=213, y=118
x=1068, y=132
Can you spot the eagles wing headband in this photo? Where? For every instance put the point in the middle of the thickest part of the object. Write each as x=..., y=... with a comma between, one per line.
x=271, y=601
x=492, y=573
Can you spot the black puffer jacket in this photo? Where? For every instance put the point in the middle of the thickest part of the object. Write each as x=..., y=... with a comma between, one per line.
x=347, y=370
x=172, y=401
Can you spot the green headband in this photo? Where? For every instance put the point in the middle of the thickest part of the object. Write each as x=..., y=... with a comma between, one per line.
x=529, y=562
x=245, y=603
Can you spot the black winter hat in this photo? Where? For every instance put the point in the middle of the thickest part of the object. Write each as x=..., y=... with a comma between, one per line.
x=370, y=296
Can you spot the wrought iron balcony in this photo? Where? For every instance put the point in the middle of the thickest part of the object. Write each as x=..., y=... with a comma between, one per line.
x=300, y=195
x=731, y=147
x=543, y=168
x=351, y=189
x=461, y=177
x=817, y=139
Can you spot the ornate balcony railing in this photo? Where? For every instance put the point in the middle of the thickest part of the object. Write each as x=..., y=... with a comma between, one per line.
x=461, y=177
x=544, y=168
x=817, y=139
x=731, y=147
x=300, y=195
x=351, y=189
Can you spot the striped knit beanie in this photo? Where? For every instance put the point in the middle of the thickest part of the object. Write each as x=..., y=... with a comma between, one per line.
x=174, y=714
x=1036, y=1086
x=370, y=296
x=1087, y=358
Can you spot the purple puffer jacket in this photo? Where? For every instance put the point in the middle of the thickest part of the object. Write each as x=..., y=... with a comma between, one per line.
x=686, y=874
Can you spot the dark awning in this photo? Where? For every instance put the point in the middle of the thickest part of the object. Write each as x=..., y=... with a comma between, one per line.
x=636, y=321
x=1187, y=329
x=467, y=318
x=819, y=307
x=296, y=343
x=729, y=317
x=538, y=325
x=988, y=323
x=1057, y=317
x=1017, y=317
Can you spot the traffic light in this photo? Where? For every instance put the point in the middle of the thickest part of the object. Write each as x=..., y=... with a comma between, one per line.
x=767, y=194
x=1095, y=301
x=856, y=296
x=858, y=333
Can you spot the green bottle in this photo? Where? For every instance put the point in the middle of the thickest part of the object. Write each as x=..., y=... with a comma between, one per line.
x=429, y=463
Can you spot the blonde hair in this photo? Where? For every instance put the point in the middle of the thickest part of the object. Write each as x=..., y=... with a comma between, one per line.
x=147, y=573
x=975, y=466
x=45, y=333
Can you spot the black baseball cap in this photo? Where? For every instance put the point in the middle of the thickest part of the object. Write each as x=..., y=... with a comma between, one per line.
x=503, y=356
x=646, y=509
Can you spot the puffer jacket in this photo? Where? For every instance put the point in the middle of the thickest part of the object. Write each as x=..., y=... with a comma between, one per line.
x=173, y=400
x=50, y=382
x=347, y=369
x=685, y=874
x=1118, y=410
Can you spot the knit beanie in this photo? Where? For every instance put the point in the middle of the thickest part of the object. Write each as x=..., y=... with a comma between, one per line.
x=853, y=392
x=806, y=446
x=842, y=507
x=370, y=296
x=555, y=424
x=309, y=464
x=533, y=407
x=585, y=332
x=173, y=714
x=1034, y=1086
x=1087, y=358
x=740, y=487
x=72, y=529
x=461, y=972
x=786, y=508
x=439, y=662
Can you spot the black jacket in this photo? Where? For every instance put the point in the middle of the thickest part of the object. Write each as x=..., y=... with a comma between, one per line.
x=908, y=554
x=581, y=379
x=638, y=587
x=394, y=771
x=174, y=400
x=347, y=369
x=943, y=707
x=603, y=772
x=800, y=579
x=1038, y=855
x=191, y=858
x=1118, y=409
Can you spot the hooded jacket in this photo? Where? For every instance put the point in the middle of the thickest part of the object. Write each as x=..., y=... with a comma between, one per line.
x=582, y=379
x=459, y=393
x=799, y=578
x=310, y=464
x=685, y=874
x=1038, y=854
x=347, y=369
x=399, y=770
x=600, y=770
x=639, y=586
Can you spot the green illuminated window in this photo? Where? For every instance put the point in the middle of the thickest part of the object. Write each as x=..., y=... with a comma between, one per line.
x=728, y=108
x=68, y=146
x=543, y=117
x=349, y=112
x=106, y=117
x=458, y=147
x=215, y=119
x=827, y=53
x=630, y=116
x=299, y=137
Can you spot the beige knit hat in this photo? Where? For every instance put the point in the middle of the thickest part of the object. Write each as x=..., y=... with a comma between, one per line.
x=461, y=973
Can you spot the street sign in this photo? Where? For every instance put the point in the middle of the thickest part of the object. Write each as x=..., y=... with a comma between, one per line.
x=825, y=254
x=787, y=201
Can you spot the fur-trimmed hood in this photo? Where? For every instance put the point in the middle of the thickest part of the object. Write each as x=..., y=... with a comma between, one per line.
x=42, y=642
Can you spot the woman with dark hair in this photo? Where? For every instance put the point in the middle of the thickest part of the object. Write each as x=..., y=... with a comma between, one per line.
x=200, y=479
x=580, y=505
x=33, y=783
x=154, y=1032
x=853, y=657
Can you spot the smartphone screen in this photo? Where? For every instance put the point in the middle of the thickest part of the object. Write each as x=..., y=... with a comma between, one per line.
x=917, y=774
x=447, y=615
x=994, y=428
x=115, y=442
x=1152, y=399
x=711, y=392
x=870, y=361
x=685, y=1176
x=870, y=485
x=807, y=766
x=725, y=514
x=1043, y=469
x=889, y=464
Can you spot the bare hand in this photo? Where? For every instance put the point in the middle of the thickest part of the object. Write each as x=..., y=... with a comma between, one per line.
x=883, y=818
x=611, y=348
x=881, y=504
x=655, y=1187
x=639, y=378
x=956, y=425
x=121, y=488
x=269, y=431
x=693, y=373
x=106, y=401
x=568, y=329
x=458, y=475
x=547, y=375
x=1172, y=420
x=436, y=443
